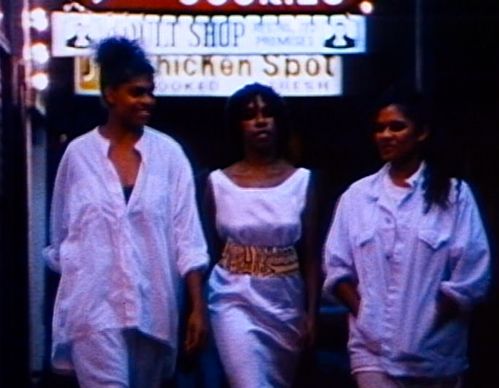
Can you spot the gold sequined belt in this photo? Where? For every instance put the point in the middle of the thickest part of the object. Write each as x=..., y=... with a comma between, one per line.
x=259, y=261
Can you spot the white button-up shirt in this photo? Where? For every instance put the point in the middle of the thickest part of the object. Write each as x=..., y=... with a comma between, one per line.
x=121, y=263
x=401, y=259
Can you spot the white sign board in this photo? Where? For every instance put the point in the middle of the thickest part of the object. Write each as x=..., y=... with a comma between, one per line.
x=217, y=75
x=74, y=33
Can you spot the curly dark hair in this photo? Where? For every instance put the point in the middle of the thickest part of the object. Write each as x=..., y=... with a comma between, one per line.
x=121, y=59
x=235, y=111
x=437, y=176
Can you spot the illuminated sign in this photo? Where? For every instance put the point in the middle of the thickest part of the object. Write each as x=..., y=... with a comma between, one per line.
x=222, y=6
x=215, y=75
x=74, y=33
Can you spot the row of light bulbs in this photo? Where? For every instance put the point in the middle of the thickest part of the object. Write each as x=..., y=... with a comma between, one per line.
x=37, y=52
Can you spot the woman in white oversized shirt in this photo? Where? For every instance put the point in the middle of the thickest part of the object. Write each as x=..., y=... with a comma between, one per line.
x=262, y=292
x=125, y=233
x=407, y=253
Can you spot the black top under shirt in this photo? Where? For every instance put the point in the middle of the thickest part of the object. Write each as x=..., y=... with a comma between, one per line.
x=127, y=191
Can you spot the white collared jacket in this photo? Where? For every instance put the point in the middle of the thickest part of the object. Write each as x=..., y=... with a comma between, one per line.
x=401, y=259
x=121, y=263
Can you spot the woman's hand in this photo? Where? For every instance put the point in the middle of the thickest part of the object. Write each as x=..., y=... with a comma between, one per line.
x=347, y=293
x=197, y=330
x=447, y=310
x=309, y=335
x=197, y=322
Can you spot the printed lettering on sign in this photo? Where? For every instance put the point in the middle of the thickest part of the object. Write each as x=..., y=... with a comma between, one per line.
x=218, y=75
x=73, y=34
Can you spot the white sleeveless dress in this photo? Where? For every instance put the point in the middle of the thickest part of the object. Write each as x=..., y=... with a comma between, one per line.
x=258, y=321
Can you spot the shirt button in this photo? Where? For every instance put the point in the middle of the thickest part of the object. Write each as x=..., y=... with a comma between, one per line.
x=388, y=220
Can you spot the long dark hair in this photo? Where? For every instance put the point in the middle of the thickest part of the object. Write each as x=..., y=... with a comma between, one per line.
x=437, y=179
x=234, y=112
x=120, y=60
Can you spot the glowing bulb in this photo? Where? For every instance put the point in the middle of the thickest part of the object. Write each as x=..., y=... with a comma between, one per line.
x=40, y=80
x=40, y=53
x=38, y=19
x=366, y=7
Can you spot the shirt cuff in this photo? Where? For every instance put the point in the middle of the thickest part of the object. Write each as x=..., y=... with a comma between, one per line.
x=194, y=262
x=331, y=281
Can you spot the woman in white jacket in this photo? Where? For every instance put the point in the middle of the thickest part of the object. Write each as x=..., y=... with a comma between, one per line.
x=125, y=234
x=408, y=255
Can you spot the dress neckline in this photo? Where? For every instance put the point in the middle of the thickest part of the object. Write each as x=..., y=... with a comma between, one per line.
x=257, y=188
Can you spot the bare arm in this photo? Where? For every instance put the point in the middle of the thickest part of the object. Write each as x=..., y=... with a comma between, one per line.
x=311, y=260
x=197, y=325
x=347, y=293
x=209, y=224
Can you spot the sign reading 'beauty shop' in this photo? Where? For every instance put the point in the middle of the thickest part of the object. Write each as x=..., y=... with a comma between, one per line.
x=73, y=33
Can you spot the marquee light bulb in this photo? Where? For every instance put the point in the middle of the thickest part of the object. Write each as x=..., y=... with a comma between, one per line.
x=40, y=80
x=38, y=19
x=40, y=53
x=366, y=7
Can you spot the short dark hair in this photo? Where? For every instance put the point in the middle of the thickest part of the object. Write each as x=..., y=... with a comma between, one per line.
x=121, y=59
x=234, y=112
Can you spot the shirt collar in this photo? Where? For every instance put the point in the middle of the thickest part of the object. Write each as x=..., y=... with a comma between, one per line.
x=141, y=144
x=103, y=143
x=414, y=180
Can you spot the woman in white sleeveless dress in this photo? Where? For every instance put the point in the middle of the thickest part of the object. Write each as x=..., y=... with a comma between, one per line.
x=262, y=294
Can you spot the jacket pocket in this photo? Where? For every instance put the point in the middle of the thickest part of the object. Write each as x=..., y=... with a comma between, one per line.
x=433, y=238
x=364, y=237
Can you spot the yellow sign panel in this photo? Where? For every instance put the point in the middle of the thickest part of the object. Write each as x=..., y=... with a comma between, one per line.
x=221, y=75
